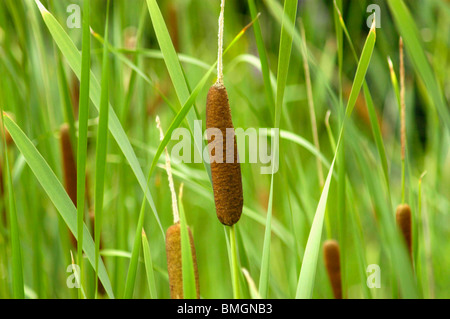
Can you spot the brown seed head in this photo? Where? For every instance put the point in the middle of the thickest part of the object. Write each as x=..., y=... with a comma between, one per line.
x=403, y=218
x=69, y=164
x=174, y=264
x=69, y=169
x=332, y=263
x=226, y=176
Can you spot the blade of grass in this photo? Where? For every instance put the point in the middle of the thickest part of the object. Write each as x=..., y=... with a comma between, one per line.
x=174, y=68
x=308, y=271
x=83, y=116
x=100, y=159
x=57, y=194
x=149, y=267
x=73, y=57
x=284, y=55
x=182, y=113
x=17, y=266
x=376, y=131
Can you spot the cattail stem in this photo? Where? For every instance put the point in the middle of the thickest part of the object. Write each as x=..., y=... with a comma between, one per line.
x=333, y=266
x=235, y=263
x=220, y=44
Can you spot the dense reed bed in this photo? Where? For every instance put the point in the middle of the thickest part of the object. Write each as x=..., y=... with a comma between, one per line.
x=356, y=206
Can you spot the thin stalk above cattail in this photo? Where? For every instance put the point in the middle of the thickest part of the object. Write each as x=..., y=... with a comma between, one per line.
x=225, y=166
x=173, y=240
x=333, y=265
x=403, y=213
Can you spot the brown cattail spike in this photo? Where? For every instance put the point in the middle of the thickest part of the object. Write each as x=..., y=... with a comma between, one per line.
x=174, y=264
x=69, y=165
x=333, y=266
x=226, y=176
x=403, y=218
x=69, y=168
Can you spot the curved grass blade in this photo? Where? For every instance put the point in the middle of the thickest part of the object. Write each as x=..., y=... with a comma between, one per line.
x=57, y=195
x=73, y=57
x=262, y=55
x=174, y=68
x=376, y=131
x=284, y=56
x=308, y=271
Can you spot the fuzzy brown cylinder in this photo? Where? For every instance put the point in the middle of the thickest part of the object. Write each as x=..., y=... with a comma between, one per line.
x=226, y=176
x=403, y=218
x=69, y=169
x=333, y=266
x=174, y=264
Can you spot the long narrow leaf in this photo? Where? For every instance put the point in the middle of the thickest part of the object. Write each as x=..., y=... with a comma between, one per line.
x=57, y=195
x=308, y=271
x=73, y=57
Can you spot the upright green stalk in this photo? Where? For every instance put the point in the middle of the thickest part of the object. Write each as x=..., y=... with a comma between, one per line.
x=82, y=131
x=17, y=267
x=234, y=263
x=102, y=140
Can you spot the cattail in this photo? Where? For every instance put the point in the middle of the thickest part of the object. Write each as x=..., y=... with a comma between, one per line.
x=332, y=263
x=69, y=168
x=69, y=165
x=173, y=239
x=225, y=167
x=226, y=173
x=174, y=265
x=403, y=218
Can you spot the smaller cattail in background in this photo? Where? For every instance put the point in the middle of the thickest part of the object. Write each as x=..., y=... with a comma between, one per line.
x=173, y=239
x=69, y=169
x=403, y=219
x=2, y=192
x=174, y=264
x=403, y=213
x=333, y=266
